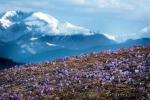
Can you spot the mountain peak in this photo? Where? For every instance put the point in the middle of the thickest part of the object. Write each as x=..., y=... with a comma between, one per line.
x=4, y=21
x=11, y=17
x=40, y=22
x=9, y=14
x=51, y=21
x=43, y=16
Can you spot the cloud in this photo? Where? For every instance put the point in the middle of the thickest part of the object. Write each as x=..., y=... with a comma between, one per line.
x=143, y=33
x=101, y=4
x=146, y=30
x=102, y=15
x=81, y=5
x=121, y=37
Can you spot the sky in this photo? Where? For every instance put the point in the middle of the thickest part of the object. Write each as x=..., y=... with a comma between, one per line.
x=118, y=19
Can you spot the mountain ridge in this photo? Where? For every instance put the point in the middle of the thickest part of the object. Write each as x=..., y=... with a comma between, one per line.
x=35, y=34
x=39, y=22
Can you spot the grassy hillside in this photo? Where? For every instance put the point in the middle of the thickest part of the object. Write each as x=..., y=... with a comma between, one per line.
x=122, y=74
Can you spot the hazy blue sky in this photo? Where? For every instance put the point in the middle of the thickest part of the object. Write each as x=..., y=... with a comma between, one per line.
x=121, y=17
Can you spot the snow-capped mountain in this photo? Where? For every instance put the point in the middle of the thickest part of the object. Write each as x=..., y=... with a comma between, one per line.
x=35, y=23
x=28, y=37
x=25, y=35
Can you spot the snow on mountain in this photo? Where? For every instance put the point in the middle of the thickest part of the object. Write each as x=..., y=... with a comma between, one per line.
x=50, y=44
x=36, y=23
x=33, y=38
x=28, y=35
x=11, y=17
x=6, y=22
x=53, y=26
x=68, y=28
x=110, y=36
x=43, y=22
x=9, y=14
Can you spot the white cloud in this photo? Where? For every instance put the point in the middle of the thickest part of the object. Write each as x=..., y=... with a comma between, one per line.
x=100, y=4
x=143, y=33
x=124, y=6
x=94, y=14
x=121, y=37
x=146, y=30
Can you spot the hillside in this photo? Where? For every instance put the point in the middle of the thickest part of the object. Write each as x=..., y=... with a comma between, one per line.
x=6, y=63
x=121, y=74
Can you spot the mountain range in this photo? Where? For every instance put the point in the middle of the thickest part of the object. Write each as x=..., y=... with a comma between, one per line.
x=31, y=37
